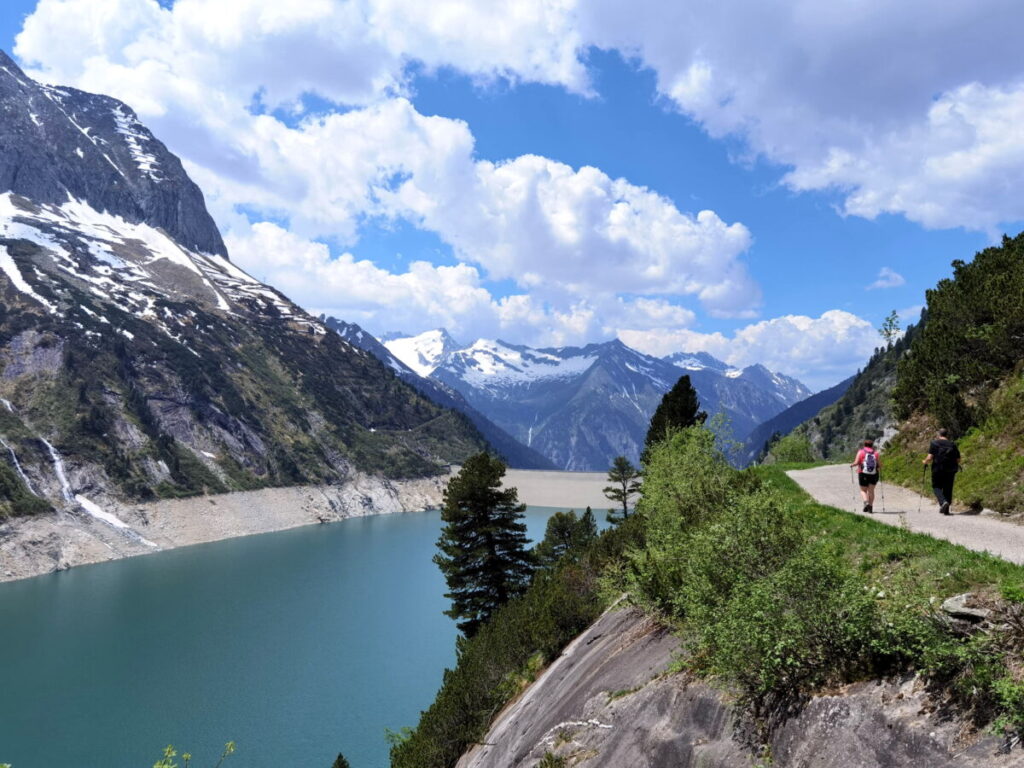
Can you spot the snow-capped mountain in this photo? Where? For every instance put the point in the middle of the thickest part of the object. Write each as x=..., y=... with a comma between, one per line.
x=697, y=361
x=787, y=389
x=422, y=353
x=138, y=360
x=514, y=452
x=582, y=406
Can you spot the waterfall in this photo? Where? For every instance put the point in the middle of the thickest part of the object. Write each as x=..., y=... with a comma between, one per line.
x=58, y=467
x=17, y=466
x=94, y=510
x=89, y=507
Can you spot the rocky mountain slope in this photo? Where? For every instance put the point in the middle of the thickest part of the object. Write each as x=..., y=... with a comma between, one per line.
x=516, y=454
x=582, y=406
x=864, y=410
x=138, y=361
x=790, y=419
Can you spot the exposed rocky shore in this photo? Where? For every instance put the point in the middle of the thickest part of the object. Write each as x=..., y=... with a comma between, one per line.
x=31, y=546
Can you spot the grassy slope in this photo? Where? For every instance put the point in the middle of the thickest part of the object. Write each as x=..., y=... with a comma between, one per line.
x=921, y=566
x=993, y=453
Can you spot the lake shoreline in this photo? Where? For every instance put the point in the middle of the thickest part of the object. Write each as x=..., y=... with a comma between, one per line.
x=37, y=545
x=41, y=544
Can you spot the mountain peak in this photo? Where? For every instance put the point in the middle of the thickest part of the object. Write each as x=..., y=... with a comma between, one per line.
x=696, y=361
x=61, y=143
x=423, y=352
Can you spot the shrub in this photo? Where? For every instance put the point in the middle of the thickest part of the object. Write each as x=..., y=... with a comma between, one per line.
x=793, y=449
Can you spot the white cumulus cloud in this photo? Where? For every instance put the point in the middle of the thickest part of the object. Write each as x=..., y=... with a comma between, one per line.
x=820, y=351
x=909, y=109
x=888, y=278
x=569, y=237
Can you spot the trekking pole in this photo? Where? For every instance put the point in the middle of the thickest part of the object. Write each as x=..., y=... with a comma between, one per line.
x=881, y=489
x=854, y=484
x=920, y=496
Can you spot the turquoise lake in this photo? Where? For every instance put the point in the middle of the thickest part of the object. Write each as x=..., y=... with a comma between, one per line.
x=296, y=645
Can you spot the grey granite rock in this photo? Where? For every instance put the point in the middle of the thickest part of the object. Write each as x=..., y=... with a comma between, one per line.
x=58, y=141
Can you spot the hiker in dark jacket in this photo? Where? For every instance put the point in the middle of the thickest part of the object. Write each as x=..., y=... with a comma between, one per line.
x=944, y=457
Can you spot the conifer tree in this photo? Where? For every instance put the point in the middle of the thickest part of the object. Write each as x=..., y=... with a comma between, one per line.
x=678, y=409
x=625, y=479
x=483, y=554
x=566, y=533
x=340, y=762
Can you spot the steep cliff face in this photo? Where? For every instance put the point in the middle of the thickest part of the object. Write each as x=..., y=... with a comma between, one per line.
x=607, y=701
x=58, y=142
x=138, y=361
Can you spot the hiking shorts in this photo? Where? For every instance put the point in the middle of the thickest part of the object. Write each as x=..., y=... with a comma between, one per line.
x=866, y=479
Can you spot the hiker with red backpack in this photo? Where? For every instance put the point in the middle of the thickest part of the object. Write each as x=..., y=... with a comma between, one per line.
x=868, y=466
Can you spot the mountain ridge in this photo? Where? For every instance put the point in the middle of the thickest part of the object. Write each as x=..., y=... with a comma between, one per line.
x=138, y=361
x=582, y=406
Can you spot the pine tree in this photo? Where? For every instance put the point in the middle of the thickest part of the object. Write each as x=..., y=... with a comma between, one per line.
x=678, y=409
x=340, y=762
x=565, y=534
x=483, y=543
x=625, y=479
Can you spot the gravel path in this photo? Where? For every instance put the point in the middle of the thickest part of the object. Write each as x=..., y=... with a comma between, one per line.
x=832, y=485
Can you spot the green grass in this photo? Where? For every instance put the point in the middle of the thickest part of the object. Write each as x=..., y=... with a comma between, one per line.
x=993, y=453
x=886, y=554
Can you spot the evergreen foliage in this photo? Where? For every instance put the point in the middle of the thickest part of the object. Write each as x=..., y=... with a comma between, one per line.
x=340, y=762
x=775, y=597
x=866, y=408
x=678, y=409
x=973, y=339
x=625, y=483
x=566, y=534
x=483, y=545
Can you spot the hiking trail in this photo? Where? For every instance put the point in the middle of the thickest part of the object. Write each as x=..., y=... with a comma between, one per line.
x=982, y=532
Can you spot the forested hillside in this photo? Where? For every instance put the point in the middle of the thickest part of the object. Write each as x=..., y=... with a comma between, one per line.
x=964, y=372
x=865, y=409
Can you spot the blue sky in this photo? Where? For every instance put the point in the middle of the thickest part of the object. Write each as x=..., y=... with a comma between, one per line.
x=409, y=166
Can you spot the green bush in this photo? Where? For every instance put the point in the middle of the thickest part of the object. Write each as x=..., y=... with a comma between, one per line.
x=794, y=448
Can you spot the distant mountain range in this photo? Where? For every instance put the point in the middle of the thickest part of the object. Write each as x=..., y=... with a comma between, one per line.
x=138, y=360
x=517, y=454
x=581, y=406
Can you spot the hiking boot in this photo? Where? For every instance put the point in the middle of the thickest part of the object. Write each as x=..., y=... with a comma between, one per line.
x=867, y=507
x=944, y=509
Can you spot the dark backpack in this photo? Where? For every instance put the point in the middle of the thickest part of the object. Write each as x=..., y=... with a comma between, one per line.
x=870, y=465
x=944, y=456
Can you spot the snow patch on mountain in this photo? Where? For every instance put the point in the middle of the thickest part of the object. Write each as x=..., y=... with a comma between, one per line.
x=132, y=265
x=488, y=364
x=134, y=136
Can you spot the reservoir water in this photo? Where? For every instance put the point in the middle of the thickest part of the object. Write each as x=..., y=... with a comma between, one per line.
x=296, y=645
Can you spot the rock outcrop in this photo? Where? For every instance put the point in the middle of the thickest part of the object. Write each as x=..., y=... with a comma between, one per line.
x=609, y=701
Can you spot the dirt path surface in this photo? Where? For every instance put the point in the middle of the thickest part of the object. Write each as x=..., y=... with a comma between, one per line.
x=983, y=532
